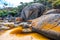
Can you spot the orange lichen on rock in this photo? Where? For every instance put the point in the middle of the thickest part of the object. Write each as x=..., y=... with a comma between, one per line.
x=18, y=19
x=15, y=34
x=34, y=24
x=33, y=35
x=56, y=29
x=16, y=30
x=47, y=26
x=38, y=36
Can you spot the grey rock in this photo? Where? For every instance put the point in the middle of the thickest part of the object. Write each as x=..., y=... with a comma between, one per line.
x=33, y=11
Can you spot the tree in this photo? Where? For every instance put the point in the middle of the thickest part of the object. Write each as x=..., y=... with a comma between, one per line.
x=35, y=1
x=4, y=3
x=56, y=4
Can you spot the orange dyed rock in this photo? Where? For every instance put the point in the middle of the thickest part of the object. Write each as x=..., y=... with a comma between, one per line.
x=15, y=34
x=47, y=25
x=19, y=19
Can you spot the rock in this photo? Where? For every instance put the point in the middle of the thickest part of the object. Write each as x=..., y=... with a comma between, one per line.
x=53, y=11
x=33, y=11
x=15, y=34
x=48, y=25
x=18, y=20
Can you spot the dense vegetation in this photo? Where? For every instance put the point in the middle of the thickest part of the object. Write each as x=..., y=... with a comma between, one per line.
x=17, y=10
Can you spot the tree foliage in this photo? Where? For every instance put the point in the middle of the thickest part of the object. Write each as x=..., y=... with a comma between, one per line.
x=5, y=12
x=17, y=10
x=56, y=4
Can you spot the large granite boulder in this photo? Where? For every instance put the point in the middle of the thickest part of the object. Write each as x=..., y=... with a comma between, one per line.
x=48, y=25
x=33, y=11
